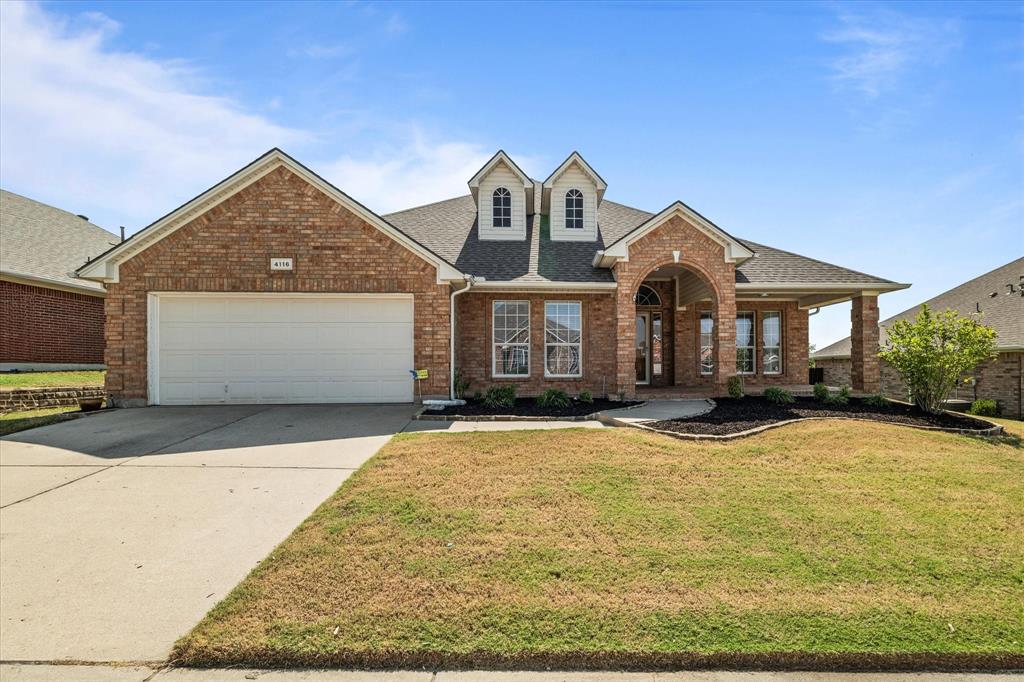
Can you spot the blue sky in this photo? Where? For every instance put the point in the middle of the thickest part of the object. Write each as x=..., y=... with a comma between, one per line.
x=884, y=137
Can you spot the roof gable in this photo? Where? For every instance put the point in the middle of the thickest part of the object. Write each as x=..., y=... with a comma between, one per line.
x=735, y=250
x=574, y=159
x=105, y=268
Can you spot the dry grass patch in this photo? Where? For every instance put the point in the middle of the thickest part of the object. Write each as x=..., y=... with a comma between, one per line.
x=615, y=546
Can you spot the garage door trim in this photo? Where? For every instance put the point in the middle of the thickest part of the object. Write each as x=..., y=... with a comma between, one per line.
x=153, y=320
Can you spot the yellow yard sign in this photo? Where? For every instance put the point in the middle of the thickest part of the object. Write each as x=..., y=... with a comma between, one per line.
x=421, y=374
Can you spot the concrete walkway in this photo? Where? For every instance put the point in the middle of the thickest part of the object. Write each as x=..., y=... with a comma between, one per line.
x=657, y=410
x=38, y=673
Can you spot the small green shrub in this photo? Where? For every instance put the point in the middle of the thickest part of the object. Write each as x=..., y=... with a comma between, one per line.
x=461, y=385
x=984, y=407
x=477, y=396
x=500, y=396
x=553, y=398
x=585, y=397
x=820, y=392
x=735, y=387
x=779, y=396
x=839, y=399
x=876, y=400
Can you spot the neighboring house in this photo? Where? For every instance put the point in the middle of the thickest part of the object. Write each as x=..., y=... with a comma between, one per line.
x=997, y=300
x=49, y=319
x=275, y=286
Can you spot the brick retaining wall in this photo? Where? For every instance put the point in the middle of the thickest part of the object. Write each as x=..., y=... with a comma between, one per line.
x=32, y=398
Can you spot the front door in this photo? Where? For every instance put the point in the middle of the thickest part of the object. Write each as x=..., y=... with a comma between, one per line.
x=643, y=346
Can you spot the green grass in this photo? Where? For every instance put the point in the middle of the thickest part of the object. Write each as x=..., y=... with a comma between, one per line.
x=12, y=422
x=13, y=380
x=824, y=543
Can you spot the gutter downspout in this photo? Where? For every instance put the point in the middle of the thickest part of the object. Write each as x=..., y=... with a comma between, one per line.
x=451, y=337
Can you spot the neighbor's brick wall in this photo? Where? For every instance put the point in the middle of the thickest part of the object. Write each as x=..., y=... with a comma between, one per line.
x=38, y=324
x=699, y=253
x=999, y=380
x=473, y=336
x=229, y=248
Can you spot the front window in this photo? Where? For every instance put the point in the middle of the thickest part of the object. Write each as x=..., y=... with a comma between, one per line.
x=562, y=339
x=744, y=343
x=501, y=208
x=707, y=343
x=511, y=338
x=771, y=339
x=574, y=209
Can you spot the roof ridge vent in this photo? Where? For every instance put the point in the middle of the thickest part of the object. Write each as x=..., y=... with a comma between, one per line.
x=83, y=217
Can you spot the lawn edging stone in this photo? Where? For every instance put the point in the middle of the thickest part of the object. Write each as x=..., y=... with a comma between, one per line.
x=18, y=399
x=992, y=431
x=423, y=414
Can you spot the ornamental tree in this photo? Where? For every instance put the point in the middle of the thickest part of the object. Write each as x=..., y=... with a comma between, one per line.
x=934, y=350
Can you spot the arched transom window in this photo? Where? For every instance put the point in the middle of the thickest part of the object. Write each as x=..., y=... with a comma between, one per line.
x=574, y=209
x=647, y=296
x=501, y=208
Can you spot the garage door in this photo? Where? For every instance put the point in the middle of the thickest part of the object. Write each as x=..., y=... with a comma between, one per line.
x=281, y=349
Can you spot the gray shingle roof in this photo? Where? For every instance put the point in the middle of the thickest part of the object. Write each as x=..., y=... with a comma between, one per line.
x=1003, y=312
x=449, y=229
x=40, y=241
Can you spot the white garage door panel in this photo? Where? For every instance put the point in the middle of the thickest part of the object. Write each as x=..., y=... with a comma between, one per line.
x=283, y=349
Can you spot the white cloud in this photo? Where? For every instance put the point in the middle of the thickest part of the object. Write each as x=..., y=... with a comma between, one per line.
x=406, y=175
x=883, y=46
x=124, y=137
x=115, y=133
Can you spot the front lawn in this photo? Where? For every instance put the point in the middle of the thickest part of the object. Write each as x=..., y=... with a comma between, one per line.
x=12, y=380
x=819, y=544
x=12, y=422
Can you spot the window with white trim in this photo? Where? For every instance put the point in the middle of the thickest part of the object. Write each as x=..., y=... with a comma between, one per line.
x=510, y=324
x=574, y=209
x=771, y=340
x=745, y=343
x=501, y=208
x=563, y=334
x=707, y=343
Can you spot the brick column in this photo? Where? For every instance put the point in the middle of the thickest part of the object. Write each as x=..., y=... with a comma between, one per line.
x=725, y=343
x=864, y=344
x=625, y=345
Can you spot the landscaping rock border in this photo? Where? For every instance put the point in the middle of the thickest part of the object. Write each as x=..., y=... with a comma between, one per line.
x=424, y=415
x=36, y=398
x=994, y=430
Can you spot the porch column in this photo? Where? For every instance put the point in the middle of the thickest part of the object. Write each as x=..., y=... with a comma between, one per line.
x=725, y=346
x=864, y=373
x=625, y=344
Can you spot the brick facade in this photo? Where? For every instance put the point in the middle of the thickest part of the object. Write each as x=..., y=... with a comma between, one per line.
x=42, y=325
x=228, y=249
x=473, y=342
x=999, y=380
x=698, y=253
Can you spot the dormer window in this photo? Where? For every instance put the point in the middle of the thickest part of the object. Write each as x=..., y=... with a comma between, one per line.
x=574, y=209
x=501, y=207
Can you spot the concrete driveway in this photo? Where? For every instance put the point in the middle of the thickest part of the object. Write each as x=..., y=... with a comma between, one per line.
x=119, y=531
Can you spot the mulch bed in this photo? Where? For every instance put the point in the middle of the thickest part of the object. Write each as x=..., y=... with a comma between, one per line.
x=734, y=415
x=528, y=407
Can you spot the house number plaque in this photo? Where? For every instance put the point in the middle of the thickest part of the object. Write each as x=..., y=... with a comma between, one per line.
x=281, y=264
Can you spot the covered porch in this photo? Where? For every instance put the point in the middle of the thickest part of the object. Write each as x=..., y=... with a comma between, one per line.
x=688, y=338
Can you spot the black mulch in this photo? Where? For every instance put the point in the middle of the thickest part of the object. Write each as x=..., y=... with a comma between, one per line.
x=733, y=415
x=528, y=407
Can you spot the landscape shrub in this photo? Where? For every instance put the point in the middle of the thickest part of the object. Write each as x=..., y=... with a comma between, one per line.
x=735, y=387
x=461, y=385
x=820, y=392
x=839, y=399
x=779, y=396
x=876, y=400
x=585, y=397
x=984, y=407
x=553, y=398
x=932, y=352
x=500, y=396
